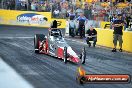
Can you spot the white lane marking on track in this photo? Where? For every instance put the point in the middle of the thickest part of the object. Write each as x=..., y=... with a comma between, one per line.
x=20, y=46
x=9, y=78
x=15, y=37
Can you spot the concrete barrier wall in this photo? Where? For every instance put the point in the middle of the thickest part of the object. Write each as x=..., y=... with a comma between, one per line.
x=105, y=38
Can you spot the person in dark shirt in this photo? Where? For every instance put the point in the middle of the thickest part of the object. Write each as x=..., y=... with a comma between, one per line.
x=72, y=15
x=54, y=24
x=118, y=27
x=128, y=18
x=91, y=35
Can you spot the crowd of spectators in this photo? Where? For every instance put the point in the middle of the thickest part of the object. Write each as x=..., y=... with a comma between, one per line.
x=43, y=6
x=92, y=11
x=7, y=4
x=62, y=8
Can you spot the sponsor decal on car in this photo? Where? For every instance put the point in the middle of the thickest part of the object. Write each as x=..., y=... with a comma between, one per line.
x=32, y=18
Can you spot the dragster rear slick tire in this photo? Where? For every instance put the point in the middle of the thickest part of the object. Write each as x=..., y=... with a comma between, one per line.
x=65, y=55
x=36, y=44
x=38, y=38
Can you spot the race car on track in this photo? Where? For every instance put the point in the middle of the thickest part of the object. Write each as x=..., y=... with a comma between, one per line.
x=55, y=45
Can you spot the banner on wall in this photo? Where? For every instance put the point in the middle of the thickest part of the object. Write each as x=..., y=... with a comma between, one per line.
x=32, y=19
x=105, y=25
x=28, y=18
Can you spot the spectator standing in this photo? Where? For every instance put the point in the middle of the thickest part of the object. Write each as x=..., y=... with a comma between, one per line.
x=63, y=12
x=56, y=13
x=90, y=17
x=33, y=6
x=72, y=15
x=48, y=9
x=79, y=11
x=128, y=18
x=86, y=12
x=118, y=10
x=112, y=19
x=23, y=5
x=67, y=12
x=94, y=13
x=8, y=5
x=118, y=27
x=82, y=21
x=12, y=4
x=72, y=28
x=106, y=15
x=39, y=7
x=43, y=7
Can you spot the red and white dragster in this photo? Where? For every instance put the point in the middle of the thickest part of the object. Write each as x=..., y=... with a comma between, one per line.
x=55, y=45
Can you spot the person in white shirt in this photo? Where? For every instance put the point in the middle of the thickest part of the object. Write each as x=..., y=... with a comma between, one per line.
x=56, y=13
x=72, y=28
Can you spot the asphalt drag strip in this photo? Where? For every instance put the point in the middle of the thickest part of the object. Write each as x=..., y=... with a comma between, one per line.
x=43, y=71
